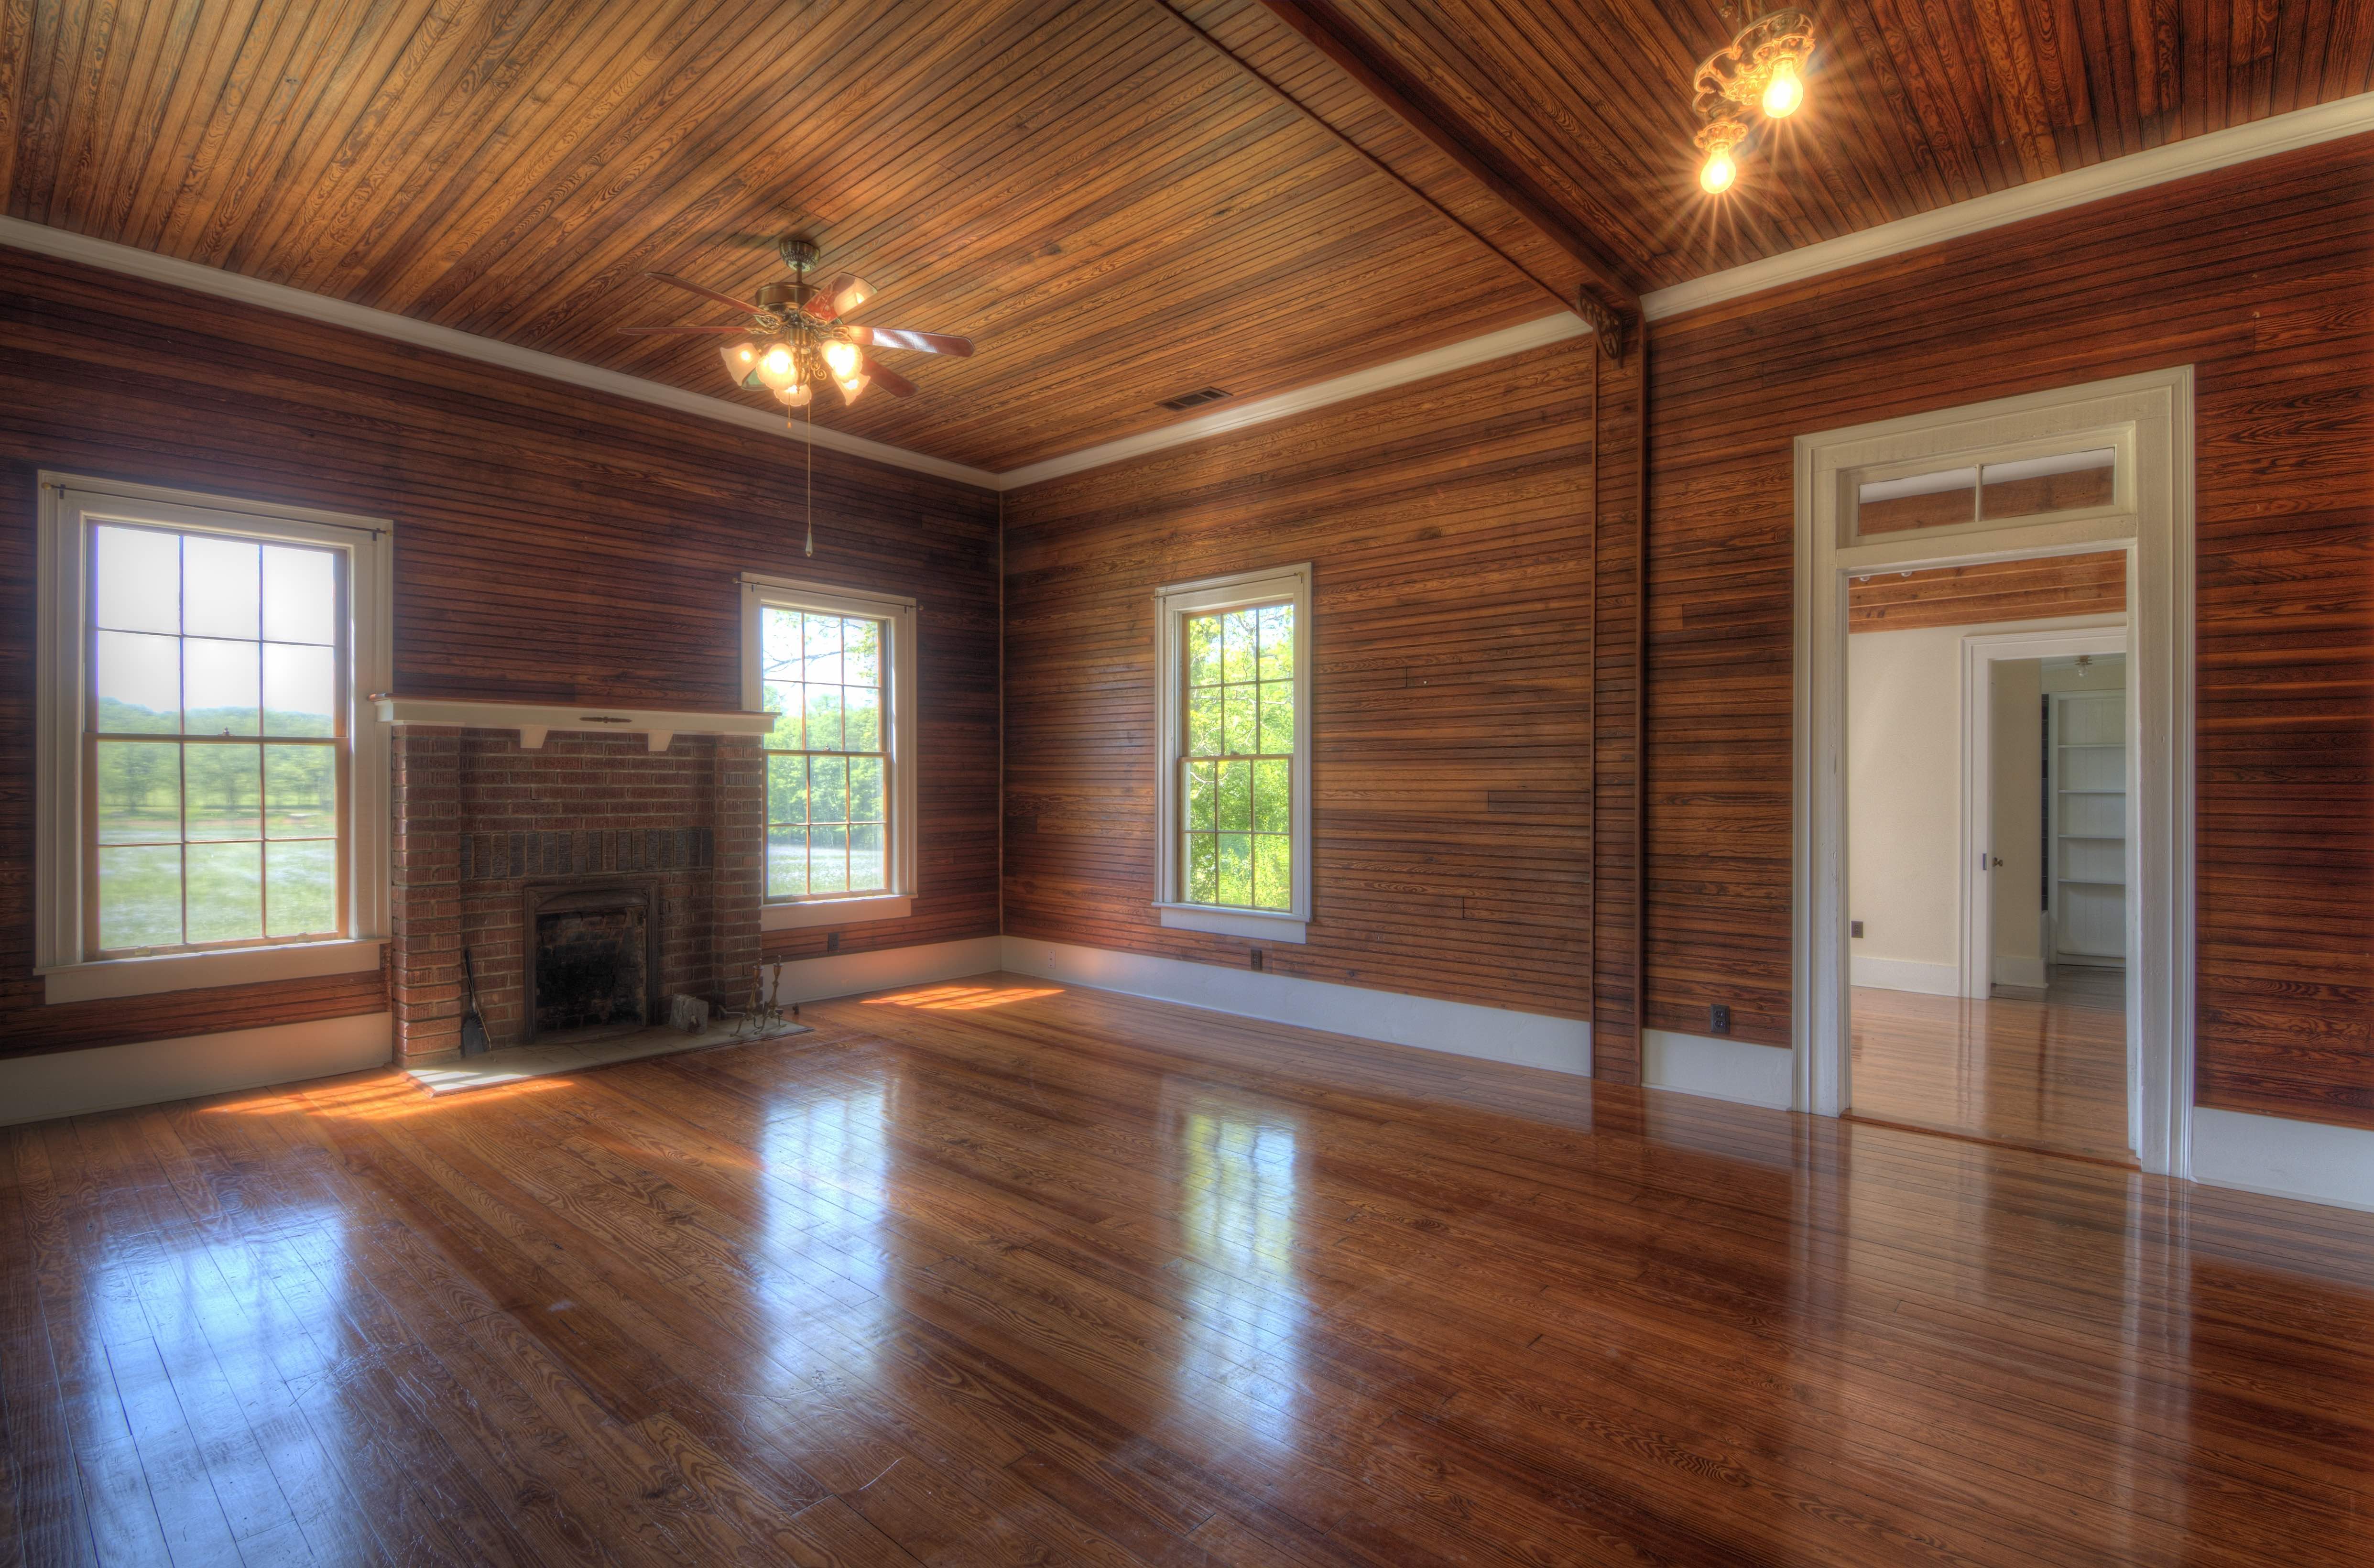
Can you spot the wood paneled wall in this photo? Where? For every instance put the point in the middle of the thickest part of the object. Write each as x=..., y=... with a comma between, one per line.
x=1450, y=526
x=551, y=543
x=2093, y=583
x=2259, y=277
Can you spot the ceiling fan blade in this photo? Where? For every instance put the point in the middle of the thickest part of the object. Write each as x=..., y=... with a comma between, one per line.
x=837, y=298
x=919, y=342
x=745, y=306
x=892, y=382
x=659, y=331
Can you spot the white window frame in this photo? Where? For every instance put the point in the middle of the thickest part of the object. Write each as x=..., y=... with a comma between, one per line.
x=69, y=505
x=761, y=593
x=1172, y=605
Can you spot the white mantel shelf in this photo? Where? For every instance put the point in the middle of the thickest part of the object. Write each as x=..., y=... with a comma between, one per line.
x=533, y=721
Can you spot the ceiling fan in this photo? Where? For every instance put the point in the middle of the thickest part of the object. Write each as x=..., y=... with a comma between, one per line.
x=798, y=335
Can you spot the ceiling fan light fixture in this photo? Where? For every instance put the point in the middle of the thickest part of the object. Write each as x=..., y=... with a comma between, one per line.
x=850, y=387
x=795, y=396
x=840, y=357
x=777, y=367
x=741, y=359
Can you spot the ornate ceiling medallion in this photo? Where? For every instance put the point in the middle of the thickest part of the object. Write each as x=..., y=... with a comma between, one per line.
x=1761, y=71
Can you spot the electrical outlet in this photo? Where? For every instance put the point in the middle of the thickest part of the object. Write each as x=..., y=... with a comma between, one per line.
x=1719, y=1018
x=1854, y=927
x=1260, y=960
x=832, y=941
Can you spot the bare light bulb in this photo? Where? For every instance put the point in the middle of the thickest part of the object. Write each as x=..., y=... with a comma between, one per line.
x=840, y=357
x=779, y=367
x=1716, y=174
x=1785, y=91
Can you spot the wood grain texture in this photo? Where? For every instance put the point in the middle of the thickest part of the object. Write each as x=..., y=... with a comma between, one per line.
x=1619, y=628
x=998, y=1272
x=1449, y=524
x=1991, y=591
x=1114, y=213
x=551, y=544
x=1912, y=104
x=2258, y=277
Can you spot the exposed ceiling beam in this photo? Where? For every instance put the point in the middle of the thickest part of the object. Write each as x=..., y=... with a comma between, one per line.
x=1321, y=24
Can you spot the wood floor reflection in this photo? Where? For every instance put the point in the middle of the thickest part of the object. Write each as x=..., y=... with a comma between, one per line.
x=2049, y=1074
x=1000, y=1272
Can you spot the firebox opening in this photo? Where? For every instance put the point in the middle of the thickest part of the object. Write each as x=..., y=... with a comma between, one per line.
x=589, y=970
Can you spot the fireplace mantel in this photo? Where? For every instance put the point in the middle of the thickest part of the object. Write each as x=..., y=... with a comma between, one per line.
x=533, y=721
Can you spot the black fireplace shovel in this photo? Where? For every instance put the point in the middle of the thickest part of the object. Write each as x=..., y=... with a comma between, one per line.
x=474, y=1028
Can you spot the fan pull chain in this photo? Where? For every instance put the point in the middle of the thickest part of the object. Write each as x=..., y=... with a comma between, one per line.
x=807, y=504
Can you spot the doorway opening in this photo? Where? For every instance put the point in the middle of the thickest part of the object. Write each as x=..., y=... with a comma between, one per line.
x=1988, y=775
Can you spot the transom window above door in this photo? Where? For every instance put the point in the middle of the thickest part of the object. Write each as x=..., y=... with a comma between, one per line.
x=2025, y=483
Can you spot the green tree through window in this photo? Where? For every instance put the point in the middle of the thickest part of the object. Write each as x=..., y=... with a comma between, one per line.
x=1239, y=768
x=828, y=756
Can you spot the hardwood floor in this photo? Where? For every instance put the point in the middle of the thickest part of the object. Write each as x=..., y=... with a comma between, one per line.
x=1000, y=1272
x=2048, y=1075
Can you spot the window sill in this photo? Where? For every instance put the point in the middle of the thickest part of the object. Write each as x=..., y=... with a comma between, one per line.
x=1260, y=924
x=192, y=972
x=834, y=911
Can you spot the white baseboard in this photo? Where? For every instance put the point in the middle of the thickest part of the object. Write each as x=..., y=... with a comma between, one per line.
x=1906, y=974
x=2032, y=973
x=1464, y=1029
x=2284, y=1158
x=846, y=974
x=110, y=1078
x=1721, y=1070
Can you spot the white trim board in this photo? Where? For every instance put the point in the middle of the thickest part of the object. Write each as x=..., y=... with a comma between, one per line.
x=847, y=974
x=2309, y=1161
x=1463, y=1029
x=1917, y=975
x=136, y=263
x=150, y=1072
x=1735, y=1071
x=2115, y=177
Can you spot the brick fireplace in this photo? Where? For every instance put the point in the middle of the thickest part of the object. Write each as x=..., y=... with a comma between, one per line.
x=491, y=836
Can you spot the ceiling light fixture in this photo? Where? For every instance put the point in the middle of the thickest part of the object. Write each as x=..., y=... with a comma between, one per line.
x=1761, y=70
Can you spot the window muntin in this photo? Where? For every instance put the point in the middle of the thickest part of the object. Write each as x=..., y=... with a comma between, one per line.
x=1238, y=770
x=215, y=740
x=828, y=758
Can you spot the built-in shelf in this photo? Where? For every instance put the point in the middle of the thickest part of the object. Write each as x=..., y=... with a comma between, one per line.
x=533, y=721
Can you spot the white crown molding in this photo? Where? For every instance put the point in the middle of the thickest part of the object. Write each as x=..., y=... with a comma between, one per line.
x=1538, y=334
x=135, y=263
x=2117, y=176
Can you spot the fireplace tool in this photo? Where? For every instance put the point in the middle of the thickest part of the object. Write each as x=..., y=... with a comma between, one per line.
x=474, y=1028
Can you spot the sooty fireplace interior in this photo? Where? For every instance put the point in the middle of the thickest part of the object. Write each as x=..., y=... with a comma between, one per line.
x=592, y=958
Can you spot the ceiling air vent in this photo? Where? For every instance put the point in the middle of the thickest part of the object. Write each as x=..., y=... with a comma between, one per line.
x=1185, y=401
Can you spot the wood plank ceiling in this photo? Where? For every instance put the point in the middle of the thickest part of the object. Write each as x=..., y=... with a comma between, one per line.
x=1118, y=211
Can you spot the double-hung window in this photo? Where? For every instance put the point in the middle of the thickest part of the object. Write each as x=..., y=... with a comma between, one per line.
x=209, y=797
x=837, y=668
x=1234, y=796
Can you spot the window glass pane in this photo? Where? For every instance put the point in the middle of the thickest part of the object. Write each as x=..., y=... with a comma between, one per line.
x=1273, y=871
x=222, y=685
x=137, y=684
x=301, y=791
x=824, y=716
x=300, y=594
x=827, y=789
x=787, y=860
x=828, y=860
x=787, y=789
x=1273, y=796
x=861, y=657
x=139, y=790
x=1235, y=795
x=2063, y=482
x=225, y=892
x=300, y=885
x=865, y=789
x=300, y=686
x=1236, y=868
x=821, y=636
x=1277, y=716
x=1918, y=500
x=221, y=579
x=866, y=861
x=783, y=700
x=1202, y=797
x=136, y=580
x=1202, y=649
x=778, y=644
x=1241, y=730
x=140, y=897
x=1204, y=727
x=224, y=790
x=1202, y=868
x=862, y=717
x=1277, y=642
x=1237, y=660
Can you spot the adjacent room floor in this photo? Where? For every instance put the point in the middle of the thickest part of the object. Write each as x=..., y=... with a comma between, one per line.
x=2048, y=1074
x=997, y=1271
